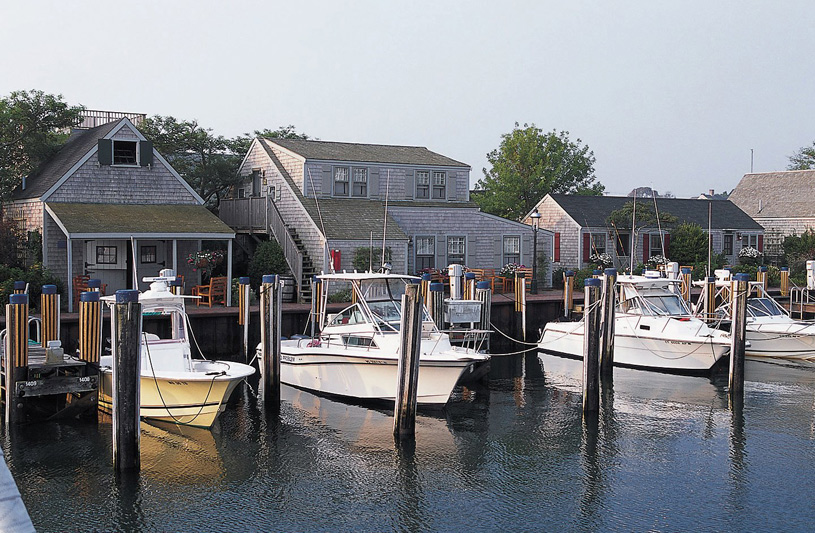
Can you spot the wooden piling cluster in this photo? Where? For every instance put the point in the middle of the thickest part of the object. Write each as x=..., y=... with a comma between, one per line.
x=435, y=305
x=16, y=356
x=686, y=283
x=483, y=293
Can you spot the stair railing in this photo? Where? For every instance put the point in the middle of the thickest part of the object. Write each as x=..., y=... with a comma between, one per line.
x=293, y=255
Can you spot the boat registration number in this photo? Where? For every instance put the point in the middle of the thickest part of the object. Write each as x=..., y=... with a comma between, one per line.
x=680, y=342
x=177, y=382
x=287, y=358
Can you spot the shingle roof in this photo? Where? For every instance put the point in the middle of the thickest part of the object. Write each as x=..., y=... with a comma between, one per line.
x=369, y=153
x=592, y=211
x=786, y=194
x=183, y=220
x=74, y=149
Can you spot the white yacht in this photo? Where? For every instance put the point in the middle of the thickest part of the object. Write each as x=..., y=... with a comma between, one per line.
x=653, y=329
x=174, y=386
x=356, y=352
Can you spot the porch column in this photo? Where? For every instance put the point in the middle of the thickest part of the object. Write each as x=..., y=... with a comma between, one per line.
x=175, y=256
x=228, y=273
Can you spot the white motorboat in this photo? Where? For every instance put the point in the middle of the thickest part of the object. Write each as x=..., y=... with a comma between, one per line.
x=356, y=352
x=770, y=331
x=653, y=329
x=174, y=386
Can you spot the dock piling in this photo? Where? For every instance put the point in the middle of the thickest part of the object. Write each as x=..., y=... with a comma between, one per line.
x=568, y=293
x=686, y=283
x=739, y=286
x=271, y=304
x=243, y=313
x=49, y=311
x=127, y=330
x=520, y=300
x=483, y=293
x=609, y=302
x=436, y=307
x=785, y=281
x=16, y=356
x=90, y=327
x=591, y=346
x=404, y=415
x=20, y=287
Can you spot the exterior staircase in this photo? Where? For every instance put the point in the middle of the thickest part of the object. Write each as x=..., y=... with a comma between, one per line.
x=309, y=270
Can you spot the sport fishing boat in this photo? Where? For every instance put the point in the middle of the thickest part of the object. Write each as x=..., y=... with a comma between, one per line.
x=174, y=386
x=653, y=330
x=356, y=352
x=770, y=331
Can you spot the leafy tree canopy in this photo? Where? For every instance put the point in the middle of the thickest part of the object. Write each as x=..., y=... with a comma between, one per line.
x=803, y=159
x=33, y=125
x=529, y=164
x=689, y=244
x=622, y=219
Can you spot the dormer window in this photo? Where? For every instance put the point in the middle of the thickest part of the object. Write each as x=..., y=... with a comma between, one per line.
x=360, y=183
x=439, y=185
x=340, y=181
x=124, y=152
x=422, y=184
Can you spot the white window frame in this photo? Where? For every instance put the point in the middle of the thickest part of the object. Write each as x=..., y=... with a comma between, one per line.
x=416, y=250
x=345, y=180
x=505, y=255
x=354, y=174
x=749, y=240
x=655, y=241
x=438, y=185
x=423, y=184
x=456, y=241
x=597, y=242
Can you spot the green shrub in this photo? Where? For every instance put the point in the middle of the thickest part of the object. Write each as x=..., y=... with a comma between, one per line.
x=340, y=296
x=369, y=258
x=36, y=276
x=268, y=259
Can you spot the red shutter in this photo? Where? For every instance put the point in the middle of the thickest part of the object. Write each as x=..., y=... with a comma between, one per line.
x=667, y=244
x=761, y=243
x=586, y=246
x=645, y=252
x=557, y=247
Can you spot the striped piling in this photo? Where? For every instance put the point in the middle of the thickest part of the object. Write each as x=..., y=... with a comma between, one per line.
x=710, y=298
x=271, y=305
x=127, y=330
x=568, y=293
x=761, y=277
x=785, y=281
x=404, y=414
x=469, y=286
x=243, y=313
x=20, y=287
x=16, y=356
x=426, y=280
x=90, y=327
x=316, y=305
x=49, y=312
x=686, y=283
x=591, y=346
x=436, y=307
x=520, y=300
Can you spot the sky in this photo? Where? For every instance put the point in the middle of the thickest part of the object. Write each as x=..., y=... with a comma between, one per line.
x=681, y=96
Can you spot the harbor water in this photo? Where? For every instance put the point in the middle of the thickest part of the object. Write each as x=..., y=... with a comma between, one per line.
x=665, y=453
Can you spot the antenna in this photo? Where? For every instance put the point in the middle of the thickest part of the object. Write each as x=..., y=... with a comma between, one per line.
x=385, y=221
x=320, y=216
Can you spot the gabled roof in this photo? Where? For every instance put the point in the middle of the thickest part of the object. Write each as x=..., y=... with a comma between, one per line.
x=366, y=153
x=592, y=211
x=49, y=173
x=787, y=194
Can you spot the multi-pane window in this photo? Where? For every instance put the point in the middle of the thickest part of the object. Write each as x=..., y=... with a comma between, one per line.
x=727, y=247
x=439, y=185
x=598, y=243
x=456, y=250
x=148, y=254
x=655, y=247
x=360, y=182
x=512, y=249
x=425, y=252
x=124, y=152
x=749, y=241
x=422, y=184
x=106, y=255
x=340, y=181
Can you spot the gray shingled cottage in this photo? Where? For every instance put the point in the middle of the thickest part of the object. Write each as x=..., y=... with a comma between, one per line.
x=322, y=200
x=782, y=202
x=581, y=229
x=106, y=193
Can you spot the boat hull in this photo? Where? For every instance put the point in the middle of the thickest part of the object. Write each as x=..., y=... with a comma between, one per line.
x=366, y=377
x=188, y=398
x=681, y=355
x=780, y=342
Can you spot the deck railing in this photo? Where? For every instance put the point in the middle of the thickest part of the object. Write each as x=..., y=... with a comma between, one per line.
x=92, y=118
x=259, y=213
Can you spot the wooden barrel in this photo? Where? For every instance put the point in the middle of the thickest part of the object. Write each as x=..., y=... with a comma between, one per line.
x=288, y=289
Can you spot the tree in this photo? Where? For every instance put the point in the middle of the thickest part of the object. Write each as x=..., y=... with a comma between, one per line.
x=206, y=161
x=241, y=143
x=803, y=159
x=530, y=164
x=33, y=126
x=689, y=244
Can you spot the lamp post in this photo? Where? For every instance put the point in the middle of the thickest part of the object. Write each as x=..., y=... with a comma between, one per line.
x=535, y=216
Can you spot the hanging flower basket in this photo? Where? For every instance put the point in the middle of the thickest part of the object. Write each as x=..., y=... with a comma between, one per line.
x=206, y=261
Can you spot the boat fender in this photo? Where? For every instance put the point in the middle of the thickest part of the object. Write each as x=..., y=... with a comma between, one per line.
x=314, y=344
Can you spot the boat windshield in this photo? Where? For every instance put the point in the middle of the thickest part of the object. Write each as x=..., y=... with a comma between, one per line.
x=664, y=304
x=384, y=299
x=763, y=307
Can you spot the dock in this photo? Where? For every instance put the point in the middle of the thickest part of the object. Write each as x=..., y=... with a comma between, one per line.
x=13, y=514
